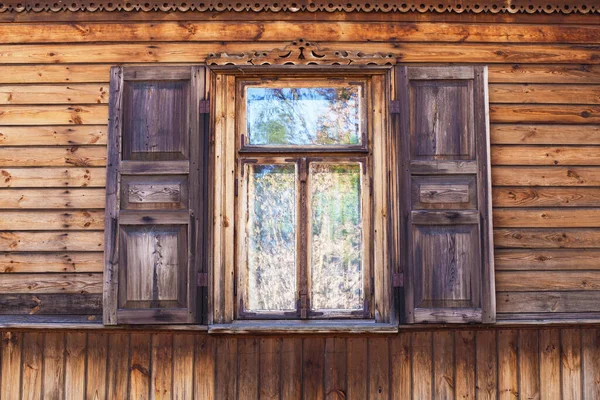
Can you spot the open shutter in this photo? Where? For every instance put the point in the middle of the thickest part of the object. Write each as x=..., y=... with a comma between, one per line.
x=153, y=211
x=446, y=192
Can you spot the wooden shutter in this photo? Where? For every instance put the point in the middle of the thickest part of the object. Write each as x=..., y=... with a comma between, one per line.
x=445, y=194
x=153, y=212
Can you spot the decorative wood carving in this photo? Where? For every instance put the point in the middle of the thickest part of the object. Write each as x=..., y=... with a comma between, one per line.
x=435, y=6
x=301, y=52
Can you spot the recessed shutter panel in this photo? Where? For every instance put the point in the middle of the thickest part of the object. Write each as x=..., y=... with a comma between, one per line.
x=153, y=208
x=445, y=186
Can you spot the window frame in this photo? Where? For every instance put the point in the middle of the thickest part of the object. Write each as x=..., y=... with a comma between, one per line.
x=227, y=145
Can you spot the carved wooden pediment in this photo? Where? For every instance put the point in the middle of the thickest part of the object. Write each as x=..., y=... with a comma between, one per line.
x=301, y=52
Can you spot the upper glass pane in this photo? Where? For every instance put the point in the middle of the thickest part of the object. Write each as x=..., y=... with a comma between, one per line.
x=271, y=237
x=337, y=279
x=303, y=116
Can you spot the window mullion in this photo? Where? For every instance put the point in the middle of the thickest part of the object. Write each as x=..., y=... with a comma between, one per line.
x=304, y=298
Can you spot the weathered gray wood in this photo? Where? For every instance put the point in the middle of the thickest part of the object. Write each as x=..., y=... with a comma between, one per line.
x=154, y=192
x=38, y=304
x=156, y=123
x=111, y=244
x=155, y=220
x=445, y=131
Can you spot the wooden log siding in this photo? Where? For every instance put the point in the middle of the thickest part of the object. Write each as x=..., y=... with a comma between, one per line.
x=505, y=364
x=545, y=132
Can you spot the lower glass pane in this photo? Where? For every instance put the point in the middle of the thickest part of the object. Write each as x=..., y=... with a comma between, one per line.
x=271, y=236
x=337, y=281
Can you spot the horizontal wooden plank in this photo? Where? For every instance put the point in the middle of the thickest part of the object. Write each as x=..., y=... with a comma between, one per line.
x=545, y=134
x=197, y=52
x=152, y=217
x=545, y=197
x=542, y=260
x=498, y=73
x=544, y=94
x=533, y=113
x=546, y=218
x=550, y=302
x=52, y=198
x=50, y=283
x=75, y=156
x=52, y=177
x=51, y=262
x=522, y=73
x=545, y=155
x=51, y=220
x=16, y=74
x=52, y=241
x=545, y=176
x=524, y=281
x=54, y=94
x=282, y=30
x=49, y=304
x=54, y=115
x=547, y=238
x=53, y=135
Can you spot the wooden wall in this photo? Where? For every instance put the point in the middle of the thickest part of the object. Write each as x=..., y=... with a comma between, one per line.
x=504, y=364
x=545, y=111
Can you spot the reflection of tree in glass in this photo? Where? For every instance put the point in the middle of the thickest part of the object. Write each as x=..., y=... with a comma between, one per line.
x=336, y=253
x=294, y=116
x=271, y=234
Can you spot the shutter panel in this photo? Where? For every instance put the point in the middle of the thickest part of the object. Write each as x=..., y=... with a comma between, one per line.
x=446, y=192
x=153, y=195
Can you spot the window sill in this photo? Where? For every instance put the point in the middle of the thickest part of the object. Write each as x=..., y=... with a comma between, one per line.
x=277, y=327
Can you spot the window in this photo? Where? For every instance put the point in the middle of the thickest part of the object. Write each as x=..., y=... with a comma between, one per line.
x=304, y=199
x=315, y=196
x=304, y=153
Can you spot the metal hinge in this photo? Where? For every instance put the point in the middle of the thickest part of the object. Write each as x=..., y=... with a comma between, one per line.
x=204, y=106
x=395, y=107
x=202, y=279
x=398, y=280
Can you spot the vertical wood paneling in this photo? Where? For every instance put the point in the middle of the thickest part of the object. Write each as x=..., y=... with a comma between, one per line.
x=75, y=354
x=529, y=364
x=161, y=381
x=270, y=371
x=550, y=364
x=511, y=364
x=97, y=358
x=465, y=364
x=248, y=367
x=357, y=365
x=313, y=350
x=226, y=368
x=591, y=363
x=378, y=366
x=117, y=382
x=400, y=366
x=33, y=347
x=508, y=364
x=183, y=365
x=570, y=356
x=10, y=357
x=139, y=366
x=336, y=359
x=422, y=368
x=204, y=367
x=291, y=368
x=54, y=366
x=444, y=378
x=487, y=367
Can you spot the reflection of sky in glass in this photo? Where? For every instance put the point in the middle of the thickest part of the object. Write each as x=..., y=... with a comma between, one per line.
x=303, y=116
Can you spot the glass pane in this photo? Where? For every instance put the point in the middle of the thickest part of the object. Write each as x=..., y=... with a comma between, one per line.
x=303, y=116
x=337, y=241
x=271, y=235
